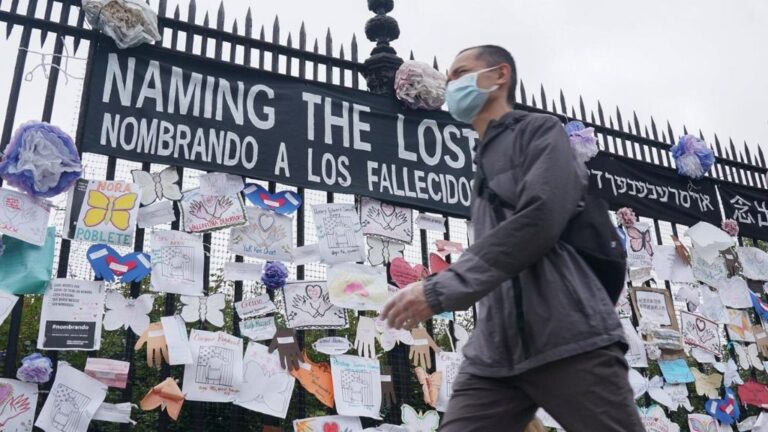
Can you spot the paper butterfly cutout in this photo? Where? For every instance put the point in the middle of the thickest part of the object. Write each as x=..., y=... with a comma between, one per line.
x=108, y=264
x=679, y=395
x=206, y=309
x=748, y=357
x=707, y=385
x=114, y=210
x=654, y=388
x=133, y=313
x=389, y=337
x=730, y=372
x=725, y=410
x=157, y=186
x=419, y=422
x=702, y=423
x=167, y=395
x=761, y=308
x=316, y=379
x=284, y=202
x=382, y=251
x=639, y=240
x=430, y=385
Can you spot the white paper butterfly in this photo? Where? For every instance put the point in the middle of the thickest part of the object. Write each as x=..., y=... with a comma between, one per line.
x=461, y=335
x=381, y=252
x=208, y=309
x=654, y=387
x=730, y=373
x=748, y=356
x=418, y=422
x=127, y=313
x=389, y=337
x=156, y=186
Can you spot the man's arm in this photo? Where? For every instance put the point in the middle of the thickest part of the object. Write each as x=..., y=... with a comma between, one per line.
x=547, y=197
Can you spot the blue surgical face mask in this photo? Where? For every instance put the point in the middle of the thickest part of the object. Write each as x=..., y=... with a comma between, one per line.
x=465, y=99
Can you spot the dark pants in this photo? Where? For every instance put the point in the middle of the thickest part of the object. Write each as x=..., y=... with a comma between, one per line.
x=589, y=392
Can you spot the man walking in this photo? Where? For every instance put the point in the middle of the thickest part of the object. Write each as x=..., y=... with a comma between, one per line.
x=546, y=331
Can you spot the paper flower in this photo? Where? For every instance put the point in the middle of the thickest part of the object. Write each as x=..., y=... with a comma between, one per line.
x=420, y=86
x=274, y=275
x=41, y=160
x=731, y=227
x=626, y=217
x=35, y=368
x=583, y=140
x=129, y=22
x=692, y=156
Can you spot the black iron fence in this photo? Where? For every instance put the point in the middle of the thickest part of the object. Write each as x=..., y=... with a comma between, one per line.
x=247, y=44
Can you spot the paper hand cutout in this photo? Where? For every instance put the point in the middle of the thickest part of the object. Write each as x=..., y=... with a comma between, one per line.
x=316, y=379
x=157, y=349
x=707, y=385
x=389, y=337
x=430, y=384
x=761, y=339
x=365, y=338
x=654, y=387
x=12, y=406
x=285, y=344
x=725, y=410
x=109, y=265
x=388, y=397
x=127, y=313
x=754, y=393
x=419, y=353
x=167, y=395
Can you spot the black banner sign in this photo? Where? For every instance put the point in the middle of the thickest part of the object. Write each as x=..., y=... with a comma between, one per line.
x=748, y=207
x=155, y=105
x=653, y=191
x=69, y=335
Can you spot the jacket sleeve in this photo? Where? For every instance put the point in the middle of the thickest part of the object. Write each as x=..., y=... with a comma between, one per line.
x=551, y=186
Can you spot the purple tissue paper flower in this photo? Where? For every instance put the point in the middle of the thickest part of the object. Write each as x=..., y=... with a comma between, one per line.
x=731, y=227
x=35, y=368
x=626, y=217
x=419, y=86
x=274, y=275
x=583, y=141
x=41, y=160
x=692, y=156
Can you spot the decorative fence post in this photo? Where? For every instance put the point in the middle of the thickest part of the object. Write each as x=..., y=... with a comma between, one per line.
x=381, y=66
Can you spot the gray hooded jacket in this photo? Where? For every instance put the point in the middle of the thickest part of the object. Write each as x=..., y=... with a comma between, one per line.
x=537, y=300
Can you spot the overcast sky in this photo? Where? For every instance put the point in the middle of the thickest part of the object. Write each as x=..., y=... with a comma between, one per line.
x=702, y=63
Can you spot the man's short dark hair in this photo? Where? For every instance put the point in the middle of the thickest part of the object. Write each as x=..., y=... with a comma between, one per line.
x=494, y=55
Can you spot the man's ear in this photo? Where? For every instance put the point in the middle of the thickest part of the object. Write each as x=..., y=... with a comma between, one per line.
x=504, y=74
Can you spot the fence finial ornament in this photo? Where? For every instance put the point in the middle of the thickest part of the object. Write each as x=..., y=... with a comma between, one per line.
x=383, y=62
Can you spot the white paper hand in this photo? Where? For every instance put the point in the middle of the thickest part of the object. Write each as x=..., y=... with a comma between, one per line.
x=389, y=337
x=365, y=338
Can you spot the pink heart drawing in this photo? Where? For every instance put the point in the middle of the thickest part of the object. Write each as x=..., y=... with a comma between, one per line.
x=404, y=274
x=387, y=209
x=314, y=291
x=356, y=288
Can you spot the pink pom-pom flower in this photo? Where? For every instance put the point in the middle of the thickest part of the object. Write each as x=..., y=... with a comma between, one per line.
x=731, y=227
x=626, y=217
x=419, y=86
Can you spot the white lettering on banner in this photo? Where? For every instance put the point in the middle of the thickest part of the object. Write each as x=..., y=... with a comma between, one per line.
x=385, y=178
x=625, y=186
x=742, y=211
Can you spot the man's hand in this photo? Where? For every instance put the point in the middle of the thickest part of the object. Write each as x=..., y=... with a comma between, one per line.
x=407, y=308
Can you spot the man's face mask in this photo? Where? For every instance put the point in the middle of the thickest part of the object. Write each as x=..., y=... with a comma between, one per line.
x=465, y=99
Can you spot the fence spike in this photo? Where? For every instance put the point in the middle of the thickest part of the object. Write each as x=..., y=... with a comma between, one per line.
x=733, y=151
x=582, y=110
x=600, y=114
x=761, y=156
x=192, y=12
x=412, y=57
x=533, y=101
x=619, y=121
x=316, y=49
x=220, y=17
x=9, y=26
x=80, y=23
x=302, y=37
x=434, y=63
x=328, y=43
x=523, y=96
x=341, y=52
x=747, y=154
x=671, y=133
x=543, y=97
x=177, y=13
x=573, y=113
x=353, y=48
x=637, y=124
x=646, y=131
x=262, y=33
x=289, y=41
x=276, y=31
x=701, y=135
x=592, y=117
x=685, y=130
x=563, y=106
x=654, y=131
x=718, y=148
x=249, y=23
x=206, y=21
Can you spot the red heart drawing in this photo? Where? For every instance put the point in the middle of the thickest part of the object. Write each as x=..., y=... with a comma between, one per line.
x=314, y=291
x=437, y=263
x=119, y=268
x=331, y=427
x=403, y=274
